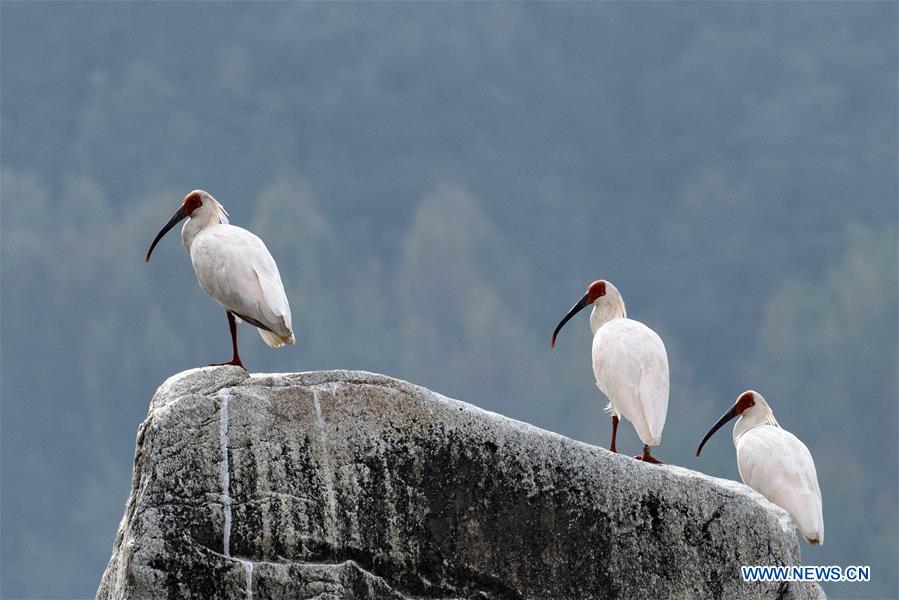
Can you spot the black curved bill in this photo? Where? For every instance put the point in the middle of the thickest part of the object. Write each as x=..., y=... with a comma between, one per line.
x=730, y=414
x=583, y=302
x=176, y=218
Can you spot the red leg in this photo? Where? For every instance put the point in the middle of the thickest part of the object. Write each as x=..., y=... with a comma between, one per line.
x=647, y=457
x=232, y=324
x=614, y=432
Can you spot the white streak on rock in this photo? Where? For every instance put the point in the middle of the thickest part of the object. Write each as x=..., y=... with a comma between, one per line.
x=327, y=471
x=224, y=394
x=248, y=569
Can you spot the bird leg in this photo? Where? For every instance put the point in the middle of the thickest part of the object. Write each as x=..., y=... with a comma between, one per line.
x=232, y=324
x=646, y=457
x=614, y=432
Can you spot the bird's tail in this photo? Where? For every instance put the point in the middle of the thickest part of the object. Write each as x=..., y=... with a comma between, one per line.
x=274, y=340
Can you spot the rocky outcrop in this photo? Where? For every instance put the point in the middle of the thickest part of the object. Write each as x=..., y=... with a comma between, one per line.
x=346, y=484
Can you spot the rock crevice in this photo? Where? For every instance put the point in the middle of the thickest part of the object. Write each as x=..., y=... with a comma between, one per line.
x=344, y=484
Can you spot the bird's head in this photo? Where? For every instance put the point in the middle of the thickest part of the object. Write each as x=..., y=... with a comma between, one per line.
x=599, y=293
x=751, y=406
x=198, y=205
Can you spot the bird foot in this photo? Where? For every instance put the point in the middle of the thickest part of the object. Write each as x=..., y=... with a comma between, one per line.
x=647, y=457
x=234, y=362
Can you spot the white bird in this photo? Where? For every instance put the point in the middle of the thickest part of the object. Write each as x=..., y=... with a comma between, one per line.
x=235, y=268
x=775, y=463
x=630, y=365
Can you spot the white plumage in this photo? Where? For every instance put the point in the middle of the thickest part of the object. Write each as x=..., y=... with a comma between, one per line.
x=631, y=369
x=775, y=463
x=235, y=268
x=629, y=362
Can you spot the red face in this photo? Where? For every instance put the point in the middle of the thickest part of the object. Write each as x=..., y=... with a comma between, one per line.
x=191, y=203
x=746, y=400
x=595, y=290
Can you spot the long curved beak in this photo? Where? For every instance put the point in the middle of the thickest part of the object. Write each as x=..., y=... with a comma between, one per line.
x=581, y=304
x=732, y=412
x=176, y=218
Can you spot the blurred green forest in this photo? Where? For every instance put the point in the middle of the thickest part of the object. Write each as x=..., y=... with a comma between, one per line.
x=438, y=183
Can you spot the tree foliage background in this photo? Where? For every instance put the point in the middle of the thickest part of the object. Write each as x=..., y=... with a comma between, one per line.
x=438, y=183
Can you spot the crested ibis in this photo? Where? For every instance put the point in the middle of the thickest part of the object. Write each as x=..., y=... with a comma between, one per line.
x=629, y=362
x=235, y=268
x=775, y=463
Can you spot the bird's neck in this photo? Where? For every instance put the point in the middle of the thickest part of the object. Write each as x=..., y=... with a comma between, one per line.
x=750, y=421
x=209, y=214
x=192, y=227
x=604, y=310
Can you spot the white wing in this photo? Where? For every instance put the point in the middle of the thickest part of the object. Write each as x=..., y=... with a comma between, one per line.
x=235, y=268
x=776, y=464
x=631, y=369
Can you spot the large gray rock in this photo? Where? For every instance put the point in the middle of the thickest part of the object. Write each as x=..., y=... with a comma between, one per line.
x=346, y=484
